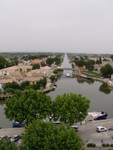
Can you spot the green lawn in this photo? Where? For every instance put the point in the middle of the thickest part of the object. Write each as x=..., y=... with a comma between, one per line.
x=92, y=74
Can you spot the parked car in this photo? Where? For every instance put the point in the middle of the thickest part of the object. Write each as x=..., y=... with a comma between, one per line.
x=75, y=127
x=111, y=128
x=101, y=129
x=15, y=138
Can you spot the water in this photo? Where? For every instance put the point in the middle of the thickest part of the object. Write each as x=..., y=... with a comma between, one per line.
x=99, y=101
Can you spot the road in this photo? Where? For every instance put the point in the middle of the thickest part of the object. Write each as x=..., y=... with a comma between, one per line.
x=86, y=131
x=89, y=135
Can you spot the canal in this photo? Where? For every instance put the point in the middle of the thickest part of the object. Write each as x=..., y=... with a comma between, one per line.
x=101, y=97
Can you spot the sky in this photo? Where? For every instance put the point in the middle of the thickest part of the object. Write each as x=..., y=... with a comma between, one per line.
x=75, y=26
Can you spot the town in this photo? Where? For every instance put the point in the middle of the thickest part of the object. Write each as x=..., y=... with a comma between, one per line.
x=40, y=72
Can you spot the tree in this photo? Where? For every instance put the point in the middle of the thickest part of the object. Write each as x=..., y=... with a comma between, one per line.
x=6, y=144
x=80, y=63
x=24, y=85
x=104, y=88
x=70, y=108
x=43, y=82
x=35, y=66
x=49, y=61
x=90, y=65
x=2, y=62
x=46, y=136
x=43, y=64
x=37, y=85
x=52, y=78
x=13, y=85
x=58, y=60
x=28, y=105
x=107, y=70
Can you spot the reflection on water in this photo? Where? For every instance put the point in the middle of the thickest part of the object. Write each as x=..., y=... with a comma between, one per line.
x=105, y=89
x=82, y=80
x=101, y=97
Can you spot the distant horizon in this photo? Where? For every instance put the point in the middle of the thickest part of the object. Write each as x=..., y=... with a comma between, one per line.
x=35, y=52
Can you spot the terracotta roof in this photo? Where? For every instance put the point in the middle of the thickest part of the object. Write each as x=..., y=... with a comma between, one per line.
x=13, y=68
x=4, y=81
x=33, y=79
x=36, y=61
x=81, y=68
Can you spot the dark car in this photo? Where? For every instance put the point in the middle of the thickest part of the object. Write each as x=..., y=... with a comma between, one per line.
x=111, y=128
x=15, y=138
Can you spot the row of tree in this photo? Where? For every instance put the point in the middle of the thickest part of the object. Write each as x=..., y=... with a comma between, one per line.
x=33, y=107
x=8, y=63
x=89, y=64
x=57, y=60
x=12, y=87
x=30, y=104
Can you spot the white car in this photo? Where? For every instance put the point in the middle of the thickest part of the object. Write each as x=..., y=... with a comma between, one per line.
x=101, y=129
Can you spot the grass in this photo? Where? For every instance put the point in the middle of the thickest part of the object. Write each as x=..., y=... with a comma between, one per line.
x=92, y=74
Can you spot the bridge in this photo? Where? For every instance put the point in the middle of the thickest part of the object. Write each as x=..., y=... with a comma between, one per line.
x=68, y=69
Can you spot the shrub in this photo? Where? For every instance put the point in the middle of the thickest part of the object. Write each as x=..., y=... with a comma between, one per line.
x=91, y=145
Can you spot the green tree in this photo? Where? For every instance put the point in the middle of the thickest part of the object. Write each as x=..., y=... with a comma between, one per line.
x=6, y=144
x=52, y=78
x=43, y=82
x=2, y=62
x=13, y=85
x=24, y=85
x=70, y=108
x=58, y=60
x=35, y=66
x=37, y=85
x=90, y=65
x=28, y=105
x=46, y=136
x=49, y=61
x=80, y=63
x=104, y=88
x=43, y=64
x=107, y=70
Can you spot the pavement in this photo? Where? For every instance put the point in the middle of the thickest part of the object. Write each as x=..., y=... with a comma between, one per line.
x=89, y=134
x=11, y=131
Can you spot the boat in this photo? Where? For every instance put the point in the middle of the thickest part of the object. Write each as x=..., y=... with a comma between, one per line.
x=67, y=75
x=97, y=115
x=110, y=84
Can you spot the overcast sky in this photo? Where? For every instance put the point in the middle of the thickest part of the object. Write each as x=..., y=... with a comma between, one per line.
x=81, y=26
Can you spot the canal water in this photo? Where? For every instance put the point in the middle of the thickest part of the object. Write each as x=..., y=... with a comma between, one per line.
x=101, y=97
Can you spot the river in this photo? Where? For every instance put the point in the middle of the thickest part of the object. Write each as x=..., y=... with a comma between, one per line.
x=99, y=100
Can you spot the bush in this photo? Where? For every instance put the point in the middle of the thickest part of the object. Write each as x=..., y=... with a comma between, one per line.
x=105, y=145
x=91, y=145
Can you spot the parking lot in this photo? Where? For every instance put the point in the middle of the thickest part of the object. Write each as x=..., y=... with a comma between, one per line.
x=90, y=135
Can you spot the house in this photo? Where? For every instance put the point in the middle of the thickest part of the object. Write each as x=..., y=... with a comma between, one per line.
x=42, y=72
x=32, y=80
x=36, y=61
x=4, y=81
x=97, y=67
x=8, y=70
